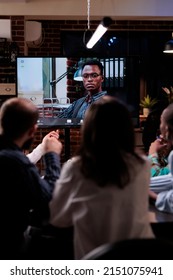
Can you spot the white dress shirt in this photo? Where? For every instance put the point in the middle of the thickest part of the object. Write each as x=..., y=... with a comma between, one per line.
x=36, y=154
x=101, y=215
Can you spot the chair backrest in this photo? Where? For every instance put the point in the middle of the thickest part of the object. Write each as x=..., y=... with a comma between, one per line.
x=142, y=249
x=64, y=100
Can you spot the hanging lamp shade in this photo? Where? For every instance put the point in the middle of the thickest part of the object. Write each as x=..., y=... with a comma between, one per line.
x=78, y=75
x=169, y=46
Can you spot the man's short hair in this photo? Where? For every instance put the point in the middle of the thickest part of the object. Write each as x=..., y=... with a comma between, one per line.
x=17, y=115
x=94, y=62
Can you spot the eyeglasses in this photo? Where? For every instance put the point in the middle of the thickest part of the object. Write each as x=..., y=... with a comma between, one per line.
x=92, y=75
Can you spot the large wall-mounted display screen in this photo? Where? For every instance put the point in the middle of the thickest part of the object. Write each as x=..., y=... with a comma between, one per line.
x=53, y=80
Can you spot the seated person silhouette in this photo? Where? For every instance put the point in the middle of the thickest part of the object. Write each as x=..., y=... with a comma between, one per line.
x=161, y=187
x=103, y=190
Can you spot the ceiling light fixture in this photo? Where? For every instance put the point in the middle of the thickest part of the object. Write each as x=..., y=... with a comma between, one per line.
x=88, y=33
x=101, y=29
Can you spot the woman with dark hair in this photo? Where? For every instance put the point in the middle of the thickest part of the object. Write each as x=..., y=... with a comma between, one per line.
x=103, y=191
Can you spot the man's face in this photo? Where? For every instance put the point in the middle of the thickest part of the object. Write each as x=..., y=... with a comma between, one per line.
x=92, y=79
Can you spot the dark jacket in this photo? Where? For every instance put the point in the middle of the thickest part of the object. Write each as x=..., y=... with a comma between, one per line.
x=24, y=195
x=76, y=109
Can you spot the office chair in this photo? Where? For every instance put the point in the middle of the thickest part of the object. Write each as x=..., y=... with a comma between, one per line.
x=48, y=243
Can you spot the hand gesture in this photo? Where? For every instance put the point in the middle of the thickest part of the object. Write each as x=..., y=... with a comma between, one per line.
x=158, y=145
x=51, y=142
x=166, y=90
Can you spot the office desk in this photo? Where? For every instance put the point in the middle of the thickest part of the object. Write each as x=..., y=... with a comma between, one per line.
x=65, y=124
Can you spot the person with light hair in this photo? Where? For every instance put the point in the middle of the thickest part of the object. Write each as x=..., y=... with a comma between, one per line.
x=161, y=187
x=24, y=194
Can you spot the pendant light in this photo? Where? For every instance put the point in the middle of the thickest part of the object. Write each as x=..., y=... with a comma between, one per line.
x=101, y=29
x=169, y=46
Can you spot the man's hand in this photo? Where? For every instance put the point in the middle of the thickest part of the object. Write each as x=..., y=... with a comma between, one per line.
x=51, y=143
x=156, y=146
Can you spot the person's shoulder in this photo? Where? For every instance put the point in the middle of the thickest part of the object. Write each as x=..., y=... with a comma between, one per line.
x=77, y=102
x=143, y=156
x=17, y=156
x=170, y=157
x=101, y=93
x=137, y=157
x=80, y=99
x=73, y=161
x=71, y=165
x=69, y=169
x=170, y=162
x=140, y=162
x=145, y=159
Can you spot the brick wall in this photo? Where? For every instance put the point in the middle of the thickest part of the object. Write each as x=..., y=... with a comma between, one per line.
x=51, y=33
x=74, y=143
x=52, y=30
x=7, y=71
x=51, y=46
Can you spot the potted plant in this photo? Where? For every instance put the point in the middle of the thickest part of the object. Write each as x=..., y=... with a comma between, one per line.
x=147, y=103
